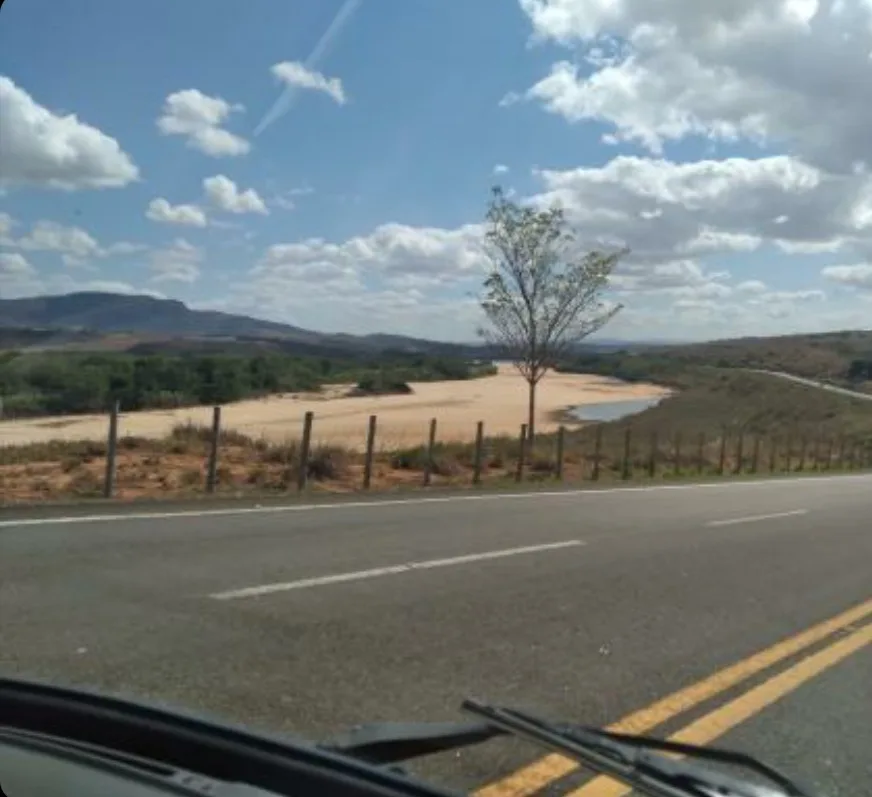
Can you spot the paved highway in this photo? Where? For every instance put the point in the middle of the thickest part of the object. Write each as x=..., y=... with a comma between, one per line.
x=738, y=613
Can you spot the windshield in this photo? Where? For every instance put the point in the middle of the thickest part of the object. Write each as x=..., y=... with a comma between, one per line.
x=361, y=357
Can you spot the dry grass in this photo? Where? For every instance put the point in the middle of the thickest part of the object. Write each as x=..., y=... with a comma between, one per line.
x=721, y=423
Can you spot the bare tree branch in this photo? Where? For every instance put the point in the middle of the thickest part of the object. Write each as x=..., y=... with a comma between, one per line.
x=540, y=299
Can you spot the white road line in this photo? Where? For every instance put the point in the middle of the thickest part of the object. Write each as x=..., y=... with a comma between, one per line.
x=360, y=575
x=375, y=503
x=756, y=518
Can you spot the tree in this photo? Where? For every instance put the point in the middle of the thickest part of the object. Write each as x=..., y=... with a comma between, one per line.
x=541, y=297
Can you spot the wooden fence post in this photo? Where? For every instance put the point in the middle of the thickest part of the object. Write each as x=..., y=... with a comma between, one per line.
x=561, y=441
x=212, y=471
x=370, y=450
x=652, y=456
x=522, y=450
x=305, y=444
x=431, y=445
x=479, y=453
x=739, y=467
x=626, y=470
x=111, y=450
x=597, y=452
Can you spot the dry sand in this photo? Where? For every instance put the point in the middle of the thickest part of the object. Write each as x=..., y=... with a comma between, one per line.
x=500, y=401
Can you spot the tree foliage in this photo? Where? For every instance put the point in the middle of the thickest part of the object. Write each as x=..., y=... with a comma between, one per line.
x=54, y=383
x=541, y=296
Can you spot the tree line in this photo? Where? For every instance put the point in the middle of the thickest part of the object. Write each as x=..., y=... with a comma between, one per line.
x=33, y=384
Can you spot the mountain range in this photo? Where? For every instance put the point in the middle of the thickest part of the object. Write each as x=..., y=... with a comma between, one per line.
x=144, y=323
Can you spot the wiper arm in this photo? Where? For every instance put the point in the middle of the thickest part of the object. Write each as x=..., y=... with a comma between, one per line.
x=394, y=742
x=638, y=760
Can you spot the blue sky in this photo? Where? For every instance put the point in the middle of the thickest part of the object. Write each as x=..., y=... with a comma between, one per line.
x=358, y=207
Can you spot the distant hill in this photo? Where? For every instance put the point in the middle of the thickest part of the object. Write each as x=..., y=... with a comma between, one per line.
x=112, y=312
x=147, y=325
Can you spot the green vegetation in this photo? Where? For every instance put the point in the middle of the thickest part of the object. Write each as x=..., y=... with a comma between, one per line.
x=34, y=384
x=842, y=358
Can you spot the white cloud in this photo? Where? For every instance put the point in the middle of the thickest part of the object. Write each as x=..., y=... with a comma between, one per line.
x=13, y=263
x=223, y=193
x=661, y=209
x=161, y=210
x=297, y=74
x=390, y=252
x=41, y=148
x=199, y=118
x=858, y=275
x=501, y=168
x=751, y=287
x=48, y=236
x=17, y=276
x=283, y=104
x=179, y=262
x=791, y=72
x=75, y=245
x=6, y=225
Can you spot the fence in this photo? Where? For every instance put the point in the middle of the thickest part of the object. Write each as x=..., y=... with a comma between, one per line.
x=584, y=454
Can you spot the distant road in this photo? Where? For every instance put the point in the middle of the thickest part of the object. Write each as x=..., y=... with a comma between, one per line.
x=588, y=605
x=812, y=383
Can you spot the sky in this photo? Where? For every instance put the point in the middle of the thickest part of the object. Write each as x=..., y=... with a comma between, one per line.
x=328, y=164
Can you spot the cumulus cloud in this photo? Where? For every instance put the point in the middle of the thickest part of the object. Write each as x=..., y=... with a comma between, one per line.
x=790, y=72
x=48, y=236
x=858, y=275
x=298, y=75
x=200, y=119
x=13, y=264
x=44, y=149
x=162, y=211
x=224, y=194
x=179, y=262
x=286, y=99
x=6, y=225
x=75, y=245
x=501, y=168
x=17, y=276
x=391, y=252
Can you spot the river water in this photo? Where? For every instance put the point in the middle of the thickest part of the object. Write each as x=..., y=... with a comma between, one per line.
x=614, y=410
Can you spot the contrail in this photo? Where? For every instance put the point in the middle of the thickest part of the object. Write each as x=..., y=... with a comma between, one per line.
x=283, y=104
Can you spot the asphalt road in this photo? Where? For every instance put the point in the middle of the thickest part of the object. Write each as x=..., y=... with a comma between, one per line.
x=584, y=605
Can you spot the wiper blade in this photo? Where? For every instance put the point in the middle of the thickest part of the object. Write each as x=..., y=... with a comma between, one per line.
x=395, y=742
x=638, y=761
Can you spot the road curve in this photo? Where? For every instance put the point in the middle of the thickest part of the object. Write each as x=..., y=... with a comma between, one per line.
x=801, y=380
x=587, y=604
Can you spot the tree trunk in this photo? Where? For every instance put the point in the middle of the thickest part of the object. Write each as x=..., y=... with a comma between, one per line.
x=531, y=412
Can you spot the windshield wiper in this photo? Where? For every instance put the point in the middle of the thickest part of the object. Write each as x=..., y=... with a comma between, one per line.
x=641, y=762
x=638, y=761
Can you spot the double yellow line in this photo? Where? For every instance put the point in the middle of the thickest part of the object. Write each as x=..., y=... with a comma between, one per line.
x=546, y=770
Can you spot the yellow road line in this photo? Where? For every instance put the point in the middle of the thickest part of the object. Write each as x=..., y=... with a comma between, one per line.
x=539, y=774
x=728, y=716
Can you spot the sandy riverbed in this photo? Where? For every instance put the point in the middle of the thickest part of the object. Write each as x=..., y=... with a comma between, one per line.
x=500, y=401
